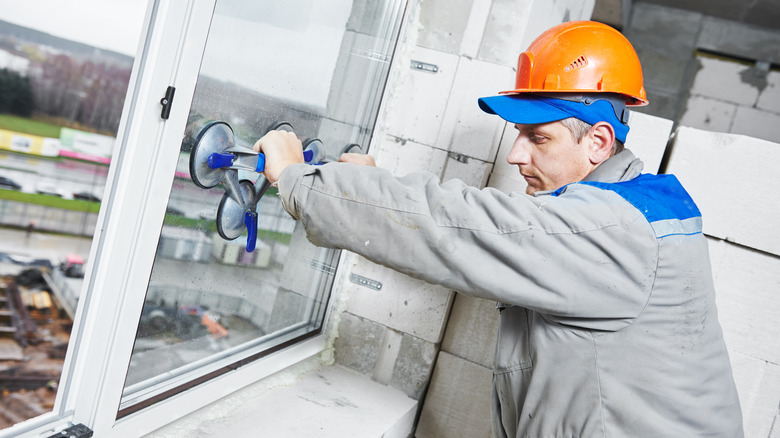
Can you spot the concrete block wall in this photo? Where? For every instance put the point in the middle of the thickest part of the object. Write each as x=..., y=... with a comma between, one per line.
x=733, y=96
x=732, y=179
x=431, y=122
x=707, y=72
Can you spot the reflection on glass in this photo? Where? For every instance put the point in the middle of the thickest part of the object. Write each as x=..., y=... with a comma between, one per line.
x=61, y=97
x=319, y=66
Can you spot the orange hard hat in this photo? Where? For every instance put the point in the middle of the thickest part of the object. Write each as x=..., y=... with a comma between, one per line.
x=581, y=57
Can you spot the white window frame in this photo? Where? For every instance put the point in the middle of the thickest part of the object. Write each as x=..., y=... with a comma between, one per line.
x=125, y=243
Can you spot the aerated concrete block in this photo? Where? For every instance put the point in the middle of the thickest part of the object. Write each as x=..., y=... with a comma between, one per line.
x=708, y=114
x=648, y=138
x=724, y=80
x=402, y=157
x=475, y=28
x=418, y=100
x=610, y=12
x=756, y=123
x=469, y=170
x=385, y=355
x=504, y=176
x=731, y=178
x=502, y=167
x=747, y=284
x=758, y=385
x=734, y=38
x=514, y=24
x=504, y=38
x=662, y=71
x=663, y=104
x=769, y=99
x=443, y=24
x=457, y=404
x=402, y=303
x=674, y=30
x=359, y=343
x=472, y=329
x=466, y=129
x=413, y=366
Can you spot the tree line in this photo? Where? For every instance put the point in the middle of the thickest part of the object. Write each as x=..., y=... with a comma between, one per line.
x=86, y=93
x=16, y=95
x=81, y=93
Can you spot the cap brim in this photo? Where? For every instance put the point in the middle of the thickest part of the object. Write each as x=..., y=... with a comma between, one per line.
x=529, y=109
x=525, y=109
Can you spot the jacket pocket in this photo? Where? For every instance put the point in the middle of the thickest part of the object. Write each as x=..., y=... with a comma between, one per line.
x=513, y=349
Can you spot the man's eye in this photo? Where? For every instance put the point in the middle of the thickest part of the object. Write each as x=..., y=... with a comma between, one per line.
x=537, y=139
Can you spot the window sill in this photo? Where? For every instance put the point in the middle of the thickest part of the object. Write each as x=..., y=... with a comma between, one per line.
x=330, y=401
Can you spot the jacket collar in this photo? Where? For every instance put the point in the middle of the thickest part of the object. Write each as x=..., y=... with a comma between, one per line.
x=624, y=166
x=621, y=167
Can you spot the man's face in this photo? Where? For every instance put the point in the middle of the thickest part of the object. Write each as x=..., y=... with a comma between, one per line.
x=549, y=157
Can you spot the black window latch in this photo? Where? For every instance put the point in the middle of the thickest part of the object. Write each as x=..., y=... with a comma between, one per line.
x=166, y=103
x=75, y=431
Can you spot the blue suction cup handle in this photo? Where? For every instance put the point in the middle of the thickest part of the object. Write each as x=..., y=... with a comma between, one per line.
x=218, y=160
x=260, y=163
x=250, y=220
x=308, y=155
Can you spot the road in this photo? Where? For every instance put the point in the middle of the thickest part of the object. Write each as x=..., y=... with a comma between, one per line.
x=67, y=176
x=64, y=175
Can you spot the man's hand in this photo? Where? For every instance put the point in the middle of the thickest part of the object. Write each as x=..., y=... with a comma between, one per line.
x=361, y=159
x=281, y=149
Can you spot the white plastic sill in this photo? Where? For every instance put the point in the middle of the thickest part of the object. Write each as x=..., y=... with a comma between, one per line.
x=327, y=402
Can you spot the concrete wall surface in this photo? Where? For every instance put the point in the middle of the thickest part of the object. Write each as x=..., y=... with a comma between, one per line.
x=476, y=45
x=732, y=180
x=706, y=72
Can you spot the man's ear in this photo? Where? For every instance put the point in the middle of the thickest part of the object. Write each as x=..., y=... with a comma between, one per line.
x=602, y=139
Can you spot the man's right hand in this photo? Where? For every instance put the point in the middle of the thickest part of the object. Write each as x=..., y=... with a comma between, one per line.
x=281, y=149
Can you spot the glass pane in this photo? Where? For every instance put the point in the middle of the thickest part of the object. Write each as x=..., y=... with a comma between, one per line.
x=211, y=302
x=63, y=78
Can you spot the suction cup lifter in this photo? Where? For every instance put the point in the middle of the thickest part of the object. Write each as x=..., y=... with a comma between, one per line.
x=216, y=158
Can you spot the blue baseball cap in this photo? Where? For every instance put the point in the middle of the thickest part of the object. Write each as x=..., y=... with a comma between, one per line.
x=530, y=109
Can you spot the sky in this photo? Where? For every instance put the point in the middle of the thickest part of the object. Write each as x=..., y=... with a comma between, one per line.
x=107, y=24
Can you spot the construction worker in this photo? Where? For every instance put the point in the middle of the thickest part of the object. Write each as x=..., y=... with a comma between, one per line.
x=608, y=325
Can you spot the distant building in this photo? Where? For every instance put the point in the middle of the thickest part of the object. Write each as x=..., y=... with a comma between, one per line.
x=14, y=63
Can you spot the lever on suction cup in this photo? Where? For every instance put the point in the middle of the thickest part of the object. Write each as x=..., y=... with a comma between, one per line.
x=218, y=160
x=237, y=158
x=250, y=220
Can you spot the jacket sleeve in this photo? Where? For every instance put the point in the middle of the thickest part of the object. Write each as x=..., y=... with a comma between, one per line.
x=585, y=259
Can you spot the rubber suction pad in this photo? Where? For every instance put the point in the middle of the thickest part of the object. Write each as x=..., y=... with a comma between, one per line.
x=230, y=214
x=352, y=148
x=215, y=137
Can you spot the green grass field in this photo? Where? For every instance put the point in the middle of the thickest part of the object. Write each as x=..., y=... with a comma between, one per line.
x=50, y=201
x=29, y=126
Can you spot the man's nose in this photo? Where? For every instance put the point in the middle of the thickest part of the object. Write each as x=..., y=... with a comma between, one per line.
x=519, y=152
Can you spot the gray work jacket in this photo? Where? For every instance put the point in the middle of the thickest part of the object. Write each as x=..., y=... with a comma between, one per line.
x=608, y=323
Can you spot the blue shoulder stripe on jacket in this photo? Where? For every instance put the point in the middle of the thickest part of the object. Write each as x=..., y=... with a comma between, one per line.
x=660, y=198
